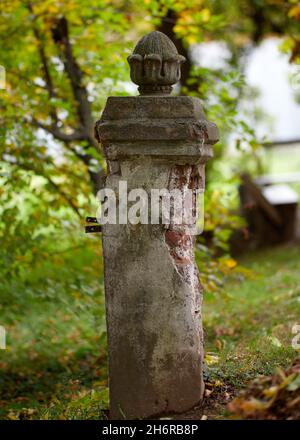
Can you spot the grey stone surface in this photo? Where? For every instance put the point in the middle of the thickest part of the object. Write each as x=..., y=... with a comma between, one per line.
x=152, y=288
x=158, y=118
x=155, y=64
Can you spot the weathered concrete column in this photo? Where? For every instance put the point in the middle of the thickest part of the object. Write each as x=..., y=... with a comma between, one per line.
x=153, y=293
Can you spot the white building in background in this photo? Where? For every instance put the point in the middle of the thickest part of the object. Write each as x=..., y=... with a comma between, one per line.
x=269, y=71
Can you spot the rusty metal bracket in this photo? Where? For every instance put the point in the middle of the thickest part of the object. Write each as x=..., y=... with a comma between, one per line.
x=91, y=220
x=92, y=228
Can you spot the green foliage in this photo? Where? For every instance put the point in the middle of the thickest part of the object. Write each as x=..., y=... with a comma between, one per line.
x=89, y=405
x=55, y=366
x=249, y=328
x=57, y=81
x=62, y=59
x=56, y=334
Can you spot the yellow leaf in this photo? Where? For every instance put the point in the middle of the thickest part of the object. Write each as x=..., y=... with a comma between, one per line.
x=231, y=263
x=211, y=359
x=274, y=341
x=12, y=416
x=271, y=392
x=294, y=12
x=191, y=39
x=205, y=14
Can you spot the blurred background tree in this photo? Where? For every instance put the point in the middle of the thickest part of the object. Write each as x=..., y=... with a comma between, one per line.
x=62, y=59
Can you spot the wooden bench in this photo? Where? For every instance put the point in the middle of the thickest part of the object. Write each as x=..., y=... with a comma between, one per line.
x=270, y=205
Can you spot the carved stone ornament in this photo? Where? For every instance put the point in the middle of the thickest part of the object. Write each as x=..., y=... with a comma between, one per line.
x=155, y=64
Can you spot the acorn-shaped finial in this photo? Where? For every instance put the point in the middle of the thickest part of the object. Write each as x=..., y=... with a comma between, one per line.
x=155, y=64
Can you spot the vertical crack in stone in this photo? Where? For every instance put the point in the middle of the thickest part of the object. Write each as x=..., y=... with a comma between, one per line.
x=178, y=238
x=180, y=243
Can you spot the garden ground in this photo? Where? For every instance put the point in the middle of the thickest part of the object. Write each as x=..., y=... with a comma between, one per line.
x=55, y=364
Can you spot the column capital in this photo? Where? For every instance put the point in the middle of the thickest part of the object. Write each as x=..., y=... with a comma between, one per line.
x=156, y=126
x=155, y=64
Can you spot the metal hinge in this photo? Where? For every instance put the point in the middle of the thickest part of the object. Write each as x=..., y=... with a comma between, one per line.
x=92, y=228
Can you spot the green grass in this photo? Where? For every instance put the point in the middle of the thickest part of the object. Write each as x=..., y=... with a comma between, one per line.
x=56, y=338
x=249, y=324
x=55, y=365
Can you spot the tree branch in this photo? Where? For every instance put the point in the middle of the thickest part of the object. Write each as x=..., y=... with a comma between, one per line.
x=61, y=38
x=97, y=178
x=85, y=131
x=52, y=183
x=167, y=26
x=77, y=135
x=45, y=64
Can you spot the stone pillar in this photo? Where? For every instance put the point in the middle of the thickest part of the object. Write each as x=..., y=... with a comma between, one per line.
x=153, y=293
